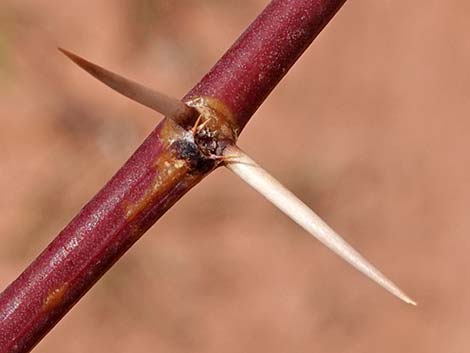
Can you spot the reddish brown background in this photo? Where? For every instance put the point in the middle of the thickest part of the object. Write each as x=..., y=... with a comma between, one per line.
x=371, y=128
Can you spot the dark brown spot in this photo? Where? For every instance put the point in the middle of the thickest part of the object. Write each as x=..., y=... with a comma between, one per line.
x=191, y=153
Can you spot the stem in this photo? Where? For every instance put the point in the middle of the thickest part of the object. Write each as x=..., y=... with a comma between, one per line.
x=263, y=54
x=161, y=171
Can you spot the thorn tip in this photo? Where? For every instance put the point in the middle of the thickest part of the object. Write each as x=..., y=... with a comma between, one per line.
x=170, y=107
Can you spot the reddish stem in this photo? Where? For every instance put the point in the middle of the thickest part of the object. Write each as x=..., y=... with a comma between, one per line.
x=155, y=177
x=263, y=54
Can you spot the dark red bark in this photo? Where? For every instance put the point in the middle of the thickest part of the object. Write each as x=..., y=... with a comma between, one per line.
x=155, y=177
x=263, y=54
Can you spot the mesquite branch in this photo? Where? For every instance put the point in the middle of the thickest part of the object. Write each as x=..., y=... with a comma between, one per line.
x=195, y=138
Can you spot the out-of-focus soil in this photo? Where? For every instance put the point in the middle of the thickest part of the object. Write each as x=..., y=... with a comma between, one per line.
x=371, y=128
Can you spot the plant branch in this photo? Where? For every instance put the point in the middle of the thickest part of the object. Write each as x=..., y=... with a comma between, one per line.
x=263, y=54
x=168, y=163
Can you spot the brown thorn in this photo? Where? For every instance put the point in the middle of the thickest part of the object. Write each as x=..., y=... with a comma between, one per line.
x=196, y=124
x=170, y=107
x=201, y=126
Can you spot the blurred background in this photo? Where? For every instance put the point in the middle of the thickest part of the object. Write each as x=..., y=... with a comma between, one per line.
x=371, y=128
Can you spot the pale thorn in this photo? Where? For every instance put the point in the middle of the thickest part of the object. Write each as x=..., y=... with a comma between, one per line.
x=170, y=107
x=259, y=179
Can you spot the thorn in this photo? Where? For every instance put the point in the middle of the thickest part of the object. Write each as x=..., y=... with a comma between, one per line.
x=286, y=201
x=202, y=125
x=170, y=107
x=194, y=128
